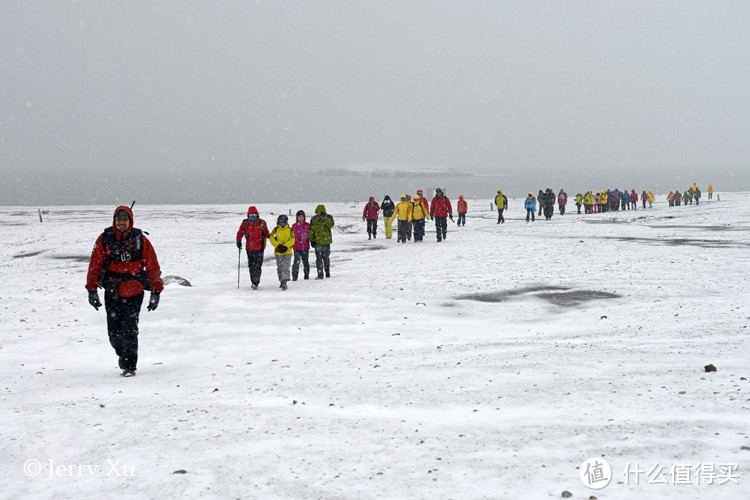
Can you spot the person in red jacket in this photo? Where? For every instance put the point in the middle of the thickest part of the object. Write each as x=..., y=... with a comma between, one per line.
x=425, y=203
x=370, y=214
x=462, y=208
x=255, y=231
x=124, y=263
x=440, y=207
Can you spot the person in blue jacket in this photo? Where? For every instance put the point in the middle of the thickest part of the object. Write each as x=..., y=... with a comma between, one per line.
x=530, y=205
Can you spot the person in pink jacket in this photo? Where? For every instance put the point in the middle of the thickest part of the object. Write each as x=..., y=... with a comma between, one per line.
x=562, y=200
x=301, y=246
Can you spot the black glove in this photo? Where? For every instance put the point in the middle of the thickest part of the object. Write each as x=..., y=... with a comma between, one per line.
x=153, y=301
x=312, y=243
x=322, y=214
x=239, y=244
x=450, y=216
x=94, y=299
x=281, y=249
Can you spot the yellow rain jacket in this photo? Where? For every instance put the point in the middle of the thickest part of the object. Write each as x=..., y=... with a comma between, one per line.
x=282, y=236
x=402, y=211
x=418, y=211
x=500, y=200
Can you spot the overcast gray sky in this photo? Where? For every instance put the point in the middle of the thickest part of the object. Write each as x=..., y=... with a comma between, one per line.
x=220, y=101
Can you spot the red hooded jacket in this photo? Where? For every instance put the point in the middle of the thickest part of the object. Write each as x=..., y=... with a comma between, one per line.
x=125, y=258
x=371, y=209
x=255, y=231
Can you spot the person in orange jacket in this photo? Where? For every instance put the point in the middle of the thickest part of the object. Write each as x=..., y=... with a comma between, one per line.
x=462, y=207
x=124, y=263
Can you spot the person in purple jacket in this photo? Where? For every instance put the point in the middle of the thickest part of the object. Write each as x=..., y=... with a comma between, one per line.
x=301, y=246
x=370, y=214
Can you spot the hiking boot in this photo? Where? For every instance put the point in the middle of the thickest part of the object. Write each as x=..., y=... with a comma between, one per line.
x=120, y=363
x=294, y=278
x=283, y=285
x=254, y=286
x=307, y=276
x=128, y=373
x=328, y=275
x=319, y=277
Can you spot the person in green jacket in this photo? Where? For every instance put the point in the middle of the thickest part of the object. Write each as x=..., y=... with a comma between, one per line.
x=321, y=239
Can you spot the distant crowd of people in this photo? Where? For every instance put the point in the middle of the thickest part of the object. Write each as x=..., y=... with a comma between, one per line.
x=688, y=196
x=410, y=214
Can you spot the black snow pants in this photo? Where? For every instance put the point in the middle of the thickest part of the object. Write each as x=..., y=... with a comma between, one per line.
x=372, y=227
x=301, y=255
x=403, y=230
x=441, y=227
x=122, y=326
x=255, y=264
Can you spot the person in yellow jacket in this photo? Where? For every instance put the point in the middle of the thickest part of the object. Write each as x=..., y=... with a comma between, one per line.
x=710, y=191
x=402, y=216
x=282, y=239
x=501, y=202
x=603, y=202
x=651, y=199
x=418, y=216
x=588, y=202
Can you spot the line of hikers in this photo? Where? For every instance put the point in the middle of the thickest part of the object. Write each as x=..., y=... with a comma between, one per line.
x=411, y=215
x=592, y=203
x=686, y=198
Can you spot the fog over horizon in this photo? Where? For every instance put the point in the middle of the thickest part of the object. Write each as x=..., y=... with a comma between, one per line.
x=252, y=102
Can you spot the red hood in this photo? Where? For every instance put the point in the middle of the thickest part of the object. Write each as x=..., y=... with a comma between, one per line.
x=130, y=213
x=252, y=210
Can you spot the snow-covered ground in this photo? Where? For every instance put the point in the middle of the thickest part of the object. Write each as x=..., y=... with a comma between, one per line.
x=491, y=365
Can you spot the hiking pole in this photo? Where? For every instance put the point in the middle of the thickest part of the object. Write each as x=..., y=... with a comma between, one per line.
x=239, y=260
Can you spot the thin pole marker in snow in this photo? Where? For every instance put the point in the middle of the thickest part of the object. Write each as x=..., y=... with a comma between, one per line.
x=239, y=259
